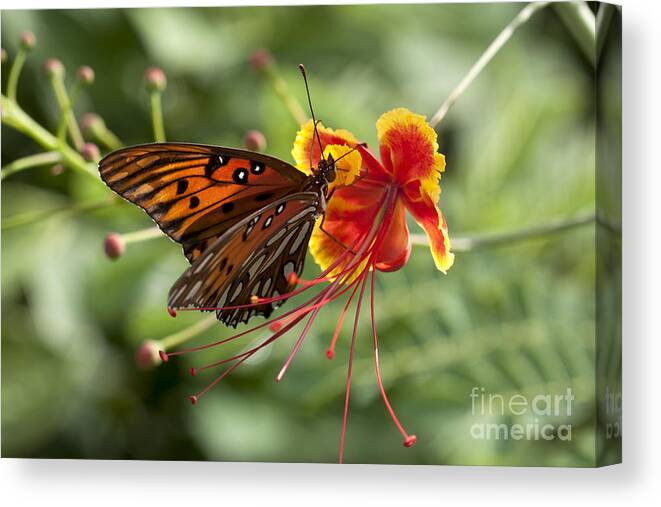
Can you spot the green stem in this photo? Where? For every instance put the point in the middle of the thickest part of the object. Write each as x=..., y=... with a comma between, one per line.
x=520, y=19
x=142, y=235
x=469, y=243
x=157, y=116
x=580, y=22
x=176, y=339
x=106, y=137
x=15, y=72
x=47, y=158
x=66, y=109
x=69, y=209
x=281, y=89
x=13, y=116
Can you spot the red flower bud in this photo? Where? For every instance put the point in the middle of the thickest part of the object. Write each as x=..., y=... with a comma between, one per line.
x=90, y=152
x=86, y=75
x=114, y=245
x=147, y=355
x=155, y=79
x=260, y=59
x=28, y=40
x=53, y=67
x=254, y=140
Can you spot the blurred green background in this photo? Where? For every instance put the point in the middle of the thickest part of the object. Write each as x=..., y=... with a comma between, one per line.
x=514, y=319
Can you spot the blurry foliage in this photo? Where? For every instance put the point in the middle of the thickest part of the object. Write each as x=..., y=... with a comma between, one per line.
x=520, y=149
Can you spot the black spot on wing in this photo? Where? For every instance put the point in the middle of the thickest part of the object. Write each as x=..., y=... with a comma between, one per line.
x=182, y=185
x=214, y=163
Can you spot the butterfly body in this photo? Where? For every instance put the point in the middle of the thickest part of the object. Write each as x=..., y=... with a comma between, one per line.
x=244, y=219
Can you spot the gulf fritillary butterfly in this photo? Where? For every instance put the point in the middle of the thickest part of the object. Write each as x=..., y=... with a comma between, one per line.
x=244, y=219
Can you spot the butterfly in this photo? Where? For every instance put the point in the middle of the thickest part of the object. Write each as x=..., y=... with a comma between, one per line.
x=244, y=219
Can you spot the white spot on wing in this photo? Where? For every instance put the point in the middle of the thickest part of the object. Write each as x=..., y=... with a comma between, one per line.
x=288, y=269
x=299, y=239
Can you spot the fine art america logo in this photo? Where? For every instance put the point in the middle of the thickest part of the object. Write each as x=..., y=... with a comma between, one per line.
x=543, y=416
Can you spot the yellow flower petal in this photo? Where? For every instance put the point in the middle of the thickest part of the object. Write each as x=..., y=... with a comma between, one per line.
x=306, y=142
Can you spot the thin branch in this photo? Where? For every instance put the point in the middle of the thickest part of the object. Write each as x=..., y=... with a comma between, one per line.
x=157, y=116
x=68, y=120
x=176, y=339
x=272, y=75
x=66, y=210
x=15, y=72
x=474, y=242
x=521, y=18
x=142, y=235
x=40, y=159
x=13, y=116
x=580, y=22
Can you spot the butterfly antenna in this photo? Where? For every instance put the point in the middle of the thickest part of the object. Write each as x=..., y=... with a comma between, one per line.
x=301, y=67
x=362, y=145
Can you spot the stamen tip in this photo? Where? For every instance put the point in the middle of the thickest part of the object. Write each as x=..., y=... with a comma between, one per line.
x=163, y=355
x=193, y=399
x=292, y=278
x=275, y=327
x=410, y=440
x=254, y=299
x=172, y=311
x=330, y=354
x=193, y=371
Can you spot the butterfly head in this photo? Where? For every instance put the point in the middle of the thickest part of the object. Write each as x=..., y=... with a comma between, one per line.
x=326, y=169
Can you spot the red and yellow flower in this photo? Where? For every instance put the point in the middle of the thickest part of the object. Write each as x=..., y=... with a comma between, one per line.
x=406, y=179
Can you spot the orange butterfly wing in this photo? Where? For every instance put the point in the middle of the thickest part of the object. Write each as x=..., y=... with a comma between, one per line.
x=195, y=192
x=253, y=258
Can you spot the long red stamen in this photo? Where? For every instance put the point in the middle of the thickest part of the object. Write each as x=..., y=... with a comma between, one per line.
x=363, y=279
x=330, y=353
x=409, y=440
x=297, y=345
x=241, y=358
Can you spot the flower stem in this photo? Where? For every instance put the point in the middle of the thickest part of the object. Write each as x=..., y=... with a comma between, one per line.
x=69, y=209
x=580, y=22
x=176, y=339
x=469, y=243
x=103, y=135
x=142, y=235
x=15, y=72
x=68, y=120
x=157, y=116
x=15, y=117
x=486, y=57
x=49, y=157
x=272, y=75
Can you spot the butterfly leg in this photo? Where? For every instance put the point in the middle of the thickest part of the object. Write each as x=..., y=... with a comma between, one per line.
x=321, y=228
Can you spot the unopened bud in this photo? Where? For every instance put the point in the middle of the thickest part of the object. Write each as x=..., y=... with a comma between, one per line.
x=147, y=355
x=260, y=59
x=114, y=245
x=57, y=169
x=254, y=141
x=90, y=122
x=90, y=152
x=155, y=79
x=28, y=40
x=53, y=67
x=86, y=75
